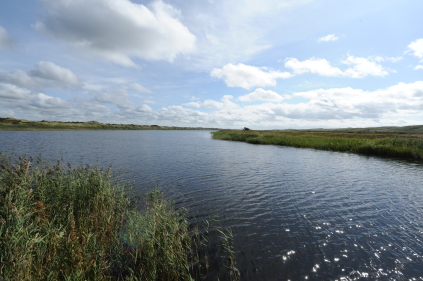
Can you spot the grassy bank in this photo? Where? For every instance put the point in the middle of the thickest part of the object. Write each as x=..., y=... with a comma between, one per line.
x=13, y=124
x=367, y=143
x=58, y=222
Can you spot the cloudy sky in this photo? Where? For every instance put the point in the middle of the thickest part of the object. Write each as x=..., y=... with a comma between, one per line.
x=268, y=64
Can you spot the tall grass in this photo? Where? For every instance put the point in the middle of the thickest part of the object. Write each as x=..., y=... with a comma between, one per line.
x=59, y=222
x=380, y=144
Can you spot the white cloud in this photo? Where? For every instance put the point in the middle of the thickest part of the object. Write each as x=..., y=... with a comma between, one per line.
x=7, y=42
x=112, y=96
x=50, y=71
x=237, y=30
x=118, y=97
x=43, y=102
x=328, y=108
x=362, y=67
x=25, y=101
x=45, y=75
x=313, y=65
x=418, y=67
x=392, y=59
x=417, y=48
x=246, y=76
x=140, y=88
x=225, y=104
x=336, y=107
x=330, y=37
x=263, y=95
x=148, y=102
x=13, y=92
x=118, y=29
x=143, y=108
x=347, y=102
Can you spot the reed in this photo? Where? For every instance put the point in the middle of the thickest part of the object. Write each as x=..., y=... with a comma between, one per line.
x=59, y=222
x=379, y=144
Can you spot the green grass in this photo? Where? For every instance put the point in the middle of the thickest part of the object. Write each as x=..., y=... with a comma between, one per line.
x=13, y=124
x=59, y=222
x=376, y=143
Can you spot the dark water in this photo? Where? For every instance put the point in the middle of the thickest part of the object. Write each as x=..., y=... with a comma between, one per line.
x=296, y=214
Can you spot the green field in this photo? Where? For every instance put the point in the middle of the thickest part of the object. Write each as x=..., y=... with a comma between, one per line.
x=403, y=142
x=13, y=124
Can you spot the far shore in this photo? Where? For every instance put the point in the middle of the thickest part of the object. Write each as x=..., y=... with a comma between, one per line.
x=14, y=124
x=400, y=142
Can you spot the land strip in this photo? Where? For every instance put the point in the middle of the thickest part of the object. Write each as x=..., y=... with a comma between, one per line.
x=13, y=124
x=381, y=141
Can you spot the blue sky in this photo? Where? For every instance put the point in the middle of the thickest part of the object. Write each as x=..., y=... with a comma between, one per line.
x=269, y=64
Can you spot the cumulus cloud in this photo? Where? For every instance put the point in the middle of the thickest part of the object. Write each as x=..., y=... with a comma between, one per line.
x=345, y=103
x=7, y=42
x=330, y=37
x=13, y=92
x=417, y=48
x=246, y=76
x=418, y=67
x=118, y=30
x=140, y=88
x=226, y=103
x=362, y=67
x=327, y=107
x=263, y=95
x=50, y=71
x=16, y=98
x=336, y=107
x=111, y=96
x=42, y=102
x=20, y=91
x=45, y=75
x=148, y=102
x=313, y=65
x=143, y=108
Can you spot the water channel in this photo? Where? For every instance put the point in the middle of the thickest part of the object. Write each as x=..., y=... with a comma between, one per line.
x=296, y=214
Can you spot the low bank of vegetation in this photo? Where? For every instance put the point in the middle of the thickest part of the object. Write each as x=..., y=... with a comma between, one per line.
x=367, y=143
x=58, y=222
x=13, y=124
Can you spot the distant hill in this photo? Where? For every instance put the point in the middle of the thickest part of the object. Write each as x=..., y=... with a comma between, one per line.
x=13, y=124
x=414, y=129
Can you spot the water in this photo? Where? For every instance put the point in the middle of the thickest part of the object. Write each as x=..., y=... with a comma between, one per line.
x=296, y=214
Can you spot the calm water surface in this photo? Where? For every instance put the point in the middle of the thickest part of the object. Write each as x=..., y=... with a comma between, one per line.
x=296, y=214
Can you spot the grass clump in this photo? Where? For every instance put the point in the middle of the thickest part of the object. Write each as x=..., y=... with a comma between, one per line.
x=367, y=143
x=59, y=222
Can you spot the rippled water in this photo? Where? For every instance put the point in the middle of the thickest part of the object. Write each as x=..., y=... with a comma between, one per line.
x=296, y=214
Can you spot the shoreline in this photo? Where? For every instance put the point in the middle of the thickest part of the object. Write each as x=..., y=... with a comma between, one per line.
x=13, y=124
x=384, y=144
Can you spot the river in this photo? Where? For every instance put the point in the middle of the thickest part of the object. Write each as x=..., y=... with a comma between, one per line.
x=296, y=214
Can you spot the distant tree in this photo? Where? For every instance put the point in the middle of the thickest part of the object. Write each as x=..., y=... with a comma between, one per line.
x=246, y=129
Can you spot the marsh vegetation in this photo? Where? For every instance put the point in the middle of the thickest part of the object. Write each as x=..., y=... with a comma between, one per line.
x=380, y=143
x=59, y=222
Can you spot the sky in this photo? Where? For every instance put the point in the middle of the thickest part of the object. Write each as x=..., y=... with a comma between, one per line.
x=268, y=64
